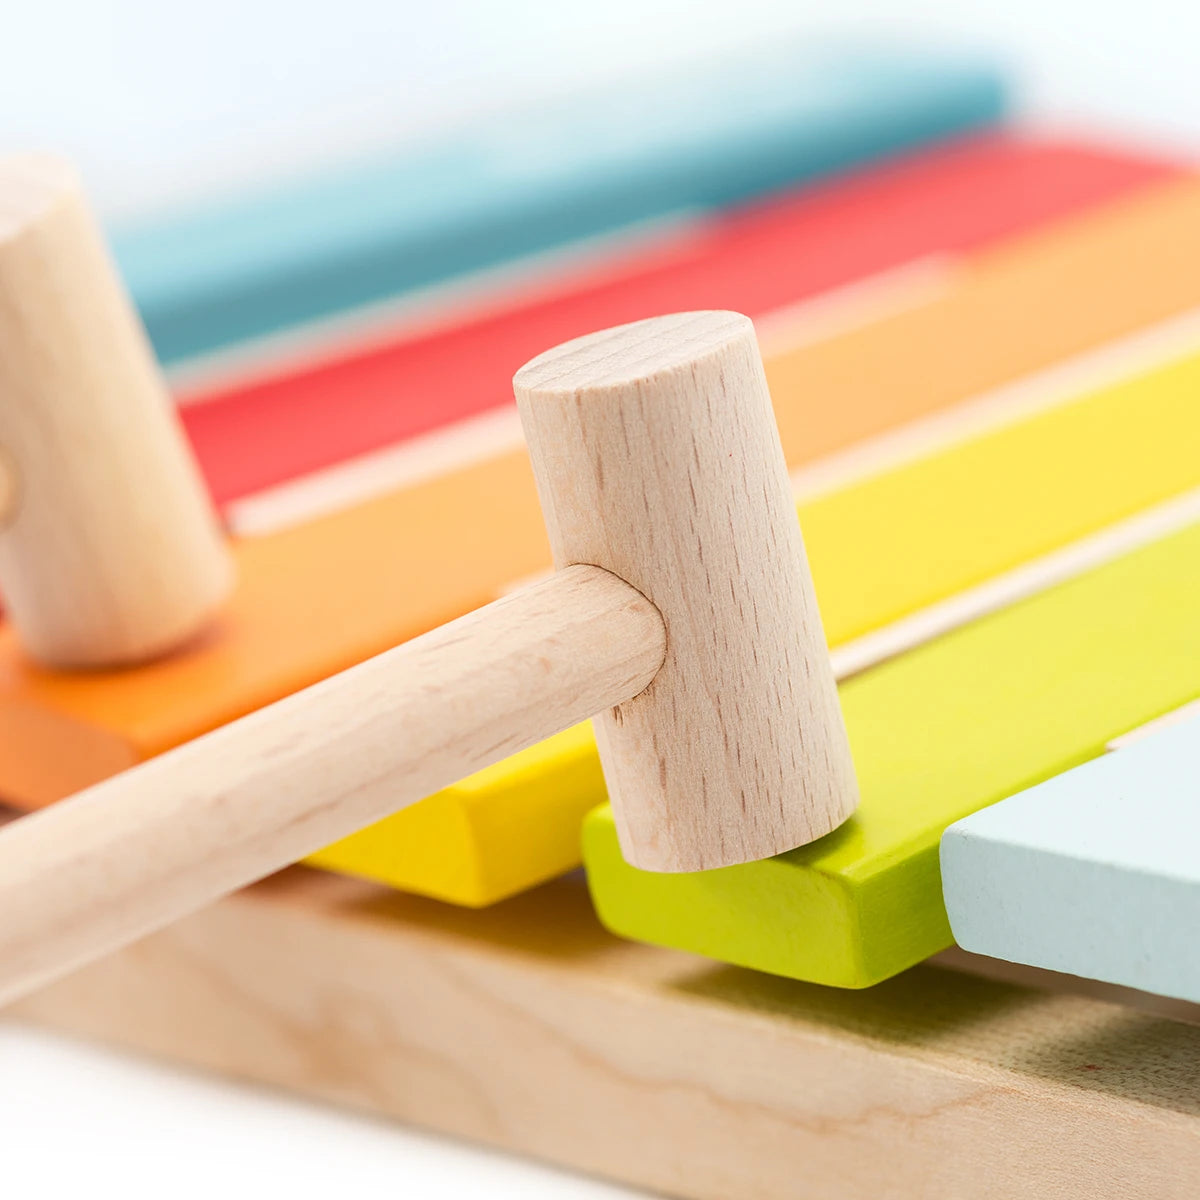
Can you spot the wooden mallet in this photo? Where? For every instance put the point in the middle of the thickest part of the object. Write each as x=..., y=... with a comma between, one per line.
x=681, y=616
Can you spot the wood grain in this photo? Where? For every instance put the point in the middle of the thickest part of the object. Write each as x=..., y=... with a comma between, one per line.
x=109, y=547
x=148, y=846
x=529, y=1028
x=656, y=457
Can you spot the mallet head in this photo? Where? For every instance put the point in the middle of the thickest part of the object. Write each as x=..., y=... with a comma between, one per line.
x=657, y=457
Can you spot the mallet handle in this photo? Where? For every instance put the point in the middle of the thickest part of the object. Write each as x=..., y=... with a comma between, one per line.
x=138, y=851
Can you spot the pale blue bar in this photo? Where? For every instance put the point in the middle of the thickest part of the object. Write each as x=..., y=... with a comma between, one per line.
x=525, y=183
x=1095, y=873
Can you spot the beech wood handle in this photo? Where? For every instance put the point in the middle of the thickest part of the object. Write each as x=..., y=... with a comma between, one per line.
x=138, y=851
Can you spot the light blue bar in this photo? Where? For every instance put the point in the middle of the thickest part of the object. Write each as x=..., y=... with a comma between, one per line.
x=524, y=183
x=1095, y=873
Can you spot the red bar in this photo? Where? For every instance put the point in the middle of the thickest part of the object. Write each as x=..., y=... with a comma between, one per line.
x=954, y=199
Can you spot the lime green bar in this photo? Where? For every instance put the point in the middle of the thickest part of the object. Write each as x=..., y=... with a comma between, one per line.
x=937, y=734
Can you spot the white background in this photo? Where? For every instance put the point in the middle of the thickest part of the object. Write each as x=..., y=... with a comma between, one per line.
x=158, y=98
x=161, y=101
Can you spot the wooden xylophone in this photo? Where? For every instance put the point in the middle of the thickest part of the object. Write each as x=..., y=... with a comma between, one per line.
x=984, y=359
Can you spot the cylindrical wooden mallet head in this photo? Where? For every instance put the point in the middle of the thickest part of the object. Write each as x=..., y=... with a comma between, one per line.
x=109, y=548
x=657, y=457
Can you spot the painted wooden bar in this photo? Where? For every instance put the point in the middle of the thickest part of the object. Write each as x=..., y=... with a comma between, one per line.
x=530, y=1029
x=1094, y=873
x=937, y=734
x=520, y=182
x=950, y=200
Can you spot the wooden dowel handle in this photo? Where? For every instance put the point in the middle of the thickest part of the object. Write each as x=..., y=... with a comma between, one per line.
x=144, y=848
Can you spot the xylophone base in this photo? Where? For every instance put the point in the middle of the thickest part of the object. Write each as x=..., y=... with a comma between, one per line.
x=529, y=1028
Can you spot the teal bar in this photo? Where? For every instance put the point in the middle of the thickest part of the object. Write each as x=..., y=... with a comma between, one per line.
x=528, y=182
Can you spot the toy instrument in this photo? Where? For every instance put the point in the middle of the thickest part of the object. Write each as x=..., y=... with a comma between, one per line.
x=774, y=491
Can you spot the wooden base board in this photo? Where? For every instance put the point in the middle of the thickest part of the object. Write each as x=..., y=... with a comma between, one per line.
x=529, y=1028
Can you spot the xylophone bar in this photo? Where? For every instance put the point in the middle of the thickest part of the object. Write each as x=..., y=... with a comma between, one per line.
x=1094, y=872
